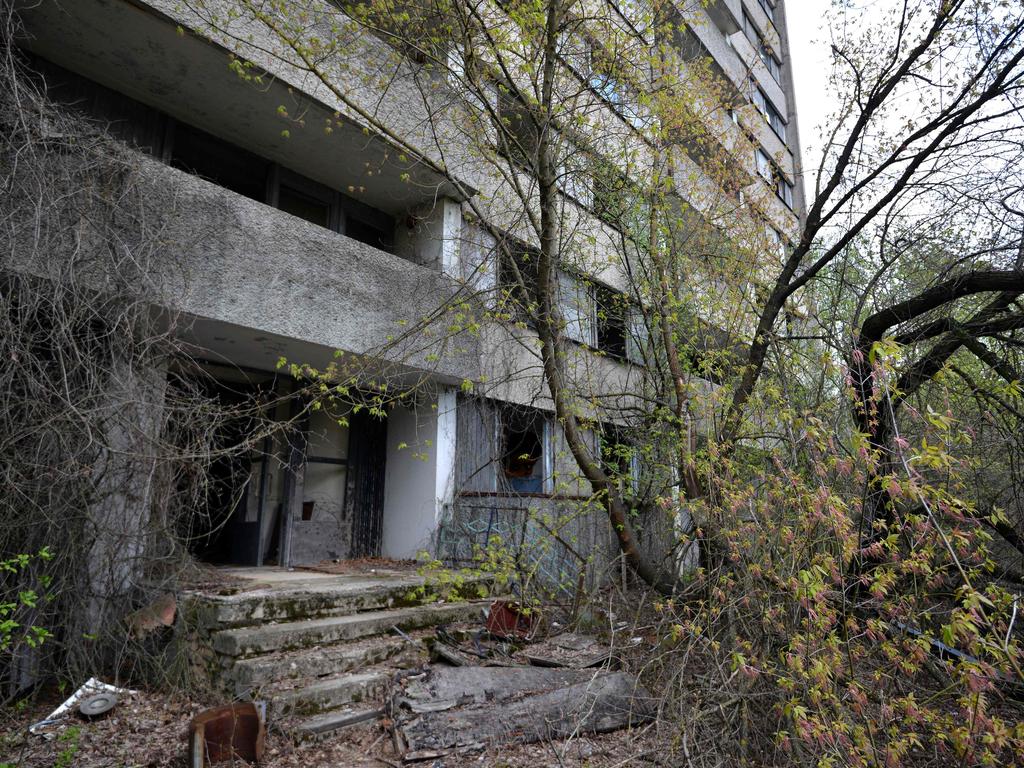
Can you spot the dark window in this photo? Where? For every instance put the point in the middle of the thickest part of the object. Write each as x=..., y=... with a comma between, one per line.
x=321, y=205
x=785, y=191
x=517, y=301
x=774, y=68
x=367, y=225
x=518, y=137
x=771, y=174
x=618, y=201
x=123, y=117
x=619, y=456
x=767, y=56
x=304, y=206
x=612, y=322
x=770, y=113
x=202, y=154
x=522, y=460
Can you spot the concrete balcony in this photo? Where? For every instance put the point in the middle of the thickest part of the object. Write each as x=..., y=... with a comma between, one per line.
x=261, y=283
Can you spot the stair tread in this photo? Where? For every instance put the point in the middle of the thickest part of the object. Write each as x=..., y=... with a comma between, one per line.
x=332, y=682
x=327, y=694
x=347, y=651
x=278, y=636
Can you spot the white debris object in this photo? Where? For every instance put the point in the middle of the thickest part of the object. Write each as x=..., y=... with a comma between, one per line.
x=89, y=687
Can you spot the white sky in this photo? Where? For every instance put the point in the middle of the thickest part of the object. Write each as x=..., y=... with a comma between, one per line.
x=810, y=49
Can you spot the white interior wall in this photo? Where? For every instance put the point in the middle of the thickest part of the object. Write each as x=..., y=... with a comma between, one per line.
x=419, y=479
x=410, y=479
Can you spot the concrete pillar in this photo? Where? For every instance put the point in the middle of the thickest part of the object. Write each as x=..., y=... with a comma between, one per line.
x=444, y=489
x=125, y=477
x=430, y=237
x=419, y=482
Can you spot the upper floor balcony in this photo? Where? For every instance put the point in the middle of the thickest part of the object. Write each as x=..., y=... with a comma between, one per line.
x=291, y=288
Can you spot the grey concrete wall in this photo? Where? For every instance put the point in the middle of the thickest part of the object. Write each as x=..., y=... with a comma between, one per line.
x=262, y=269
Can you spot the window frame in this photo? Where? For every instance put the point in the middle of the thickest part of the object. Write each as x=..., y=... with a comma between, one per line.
x=770, y=114
x=771, y=61
x=777, y=179
x=539, y=422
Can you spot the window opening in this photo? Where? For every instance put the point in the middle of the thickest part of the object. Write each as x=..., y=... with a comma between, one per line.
x=523, y=454
x=612, y=322
x=620, y=457
x=304, y=206
x=202, y=154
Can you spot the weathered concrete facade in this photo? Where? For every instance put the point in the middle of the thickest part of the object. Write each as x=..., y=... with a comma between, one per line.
x=289, y=248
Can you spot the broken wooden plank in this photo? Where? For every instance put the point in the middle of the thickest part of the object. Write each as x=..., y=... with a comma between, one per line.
x=477, y=685
x=568, y=650
x=608, y=702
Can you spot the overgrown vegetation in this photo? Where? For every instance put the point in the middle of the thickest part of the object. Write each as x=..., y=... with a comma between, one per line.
x=829, y=428
x=820, y=413
x=105, y=437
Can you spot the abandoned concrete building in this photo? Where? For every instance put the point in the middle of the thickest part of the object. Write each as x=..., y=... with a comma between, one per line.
x=296, y=242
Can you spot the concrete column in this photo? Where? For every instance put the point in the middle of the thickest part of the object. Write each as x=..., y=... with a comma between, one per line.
x=451, y=237
x=430, y=237
x=444, y=493
x=419, y=473
x=125, y=477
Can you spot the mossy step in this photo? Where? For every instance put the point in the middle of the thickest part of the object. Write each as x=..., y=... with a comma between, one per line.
x=330, y=693
x=317, y=598
x=250, y=675
x=268, y=638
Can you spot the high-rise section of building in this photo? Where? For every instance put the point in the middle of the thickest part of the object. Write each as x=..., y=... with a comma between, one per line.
x=357, y=201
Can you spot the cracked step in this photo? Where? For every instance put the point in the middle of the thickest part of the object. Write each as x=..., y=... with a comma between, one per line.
x=330, y=693
x=267, y=638
x=251, y=674
x=315, y=598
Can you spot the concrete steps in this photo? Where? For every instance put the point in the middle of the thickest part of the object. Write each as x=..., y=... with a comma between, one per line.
x=320, y=650
x=314, y=698
x=308, y=599
x=252, y=675
x=319, y=727
x=312, y=633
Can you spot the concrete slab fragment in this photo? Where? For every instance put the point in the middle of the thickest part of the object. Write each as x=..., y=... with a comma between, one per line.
x=608, y=702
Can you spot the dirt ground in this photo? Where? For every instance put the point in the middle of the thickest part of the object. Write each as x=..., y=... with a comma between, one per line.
x=150, y=730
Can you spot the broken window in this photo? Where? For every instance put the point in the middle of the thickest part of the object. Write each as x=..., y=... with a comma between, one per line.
x=518, y=134
x=517, y=279
x=523, y=457
x=324, y=484
x=620, y=457
x=576, y=304
x=612, y=322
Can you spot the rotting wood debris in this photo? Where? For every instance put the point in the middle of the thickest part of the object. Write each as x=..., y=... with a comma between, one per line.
x=488, y=699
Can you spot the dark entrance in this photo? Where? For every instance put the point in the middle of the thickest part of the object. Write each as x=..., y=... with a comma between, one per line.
x=291, y=485
x=367, y=453
x=224, y=527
